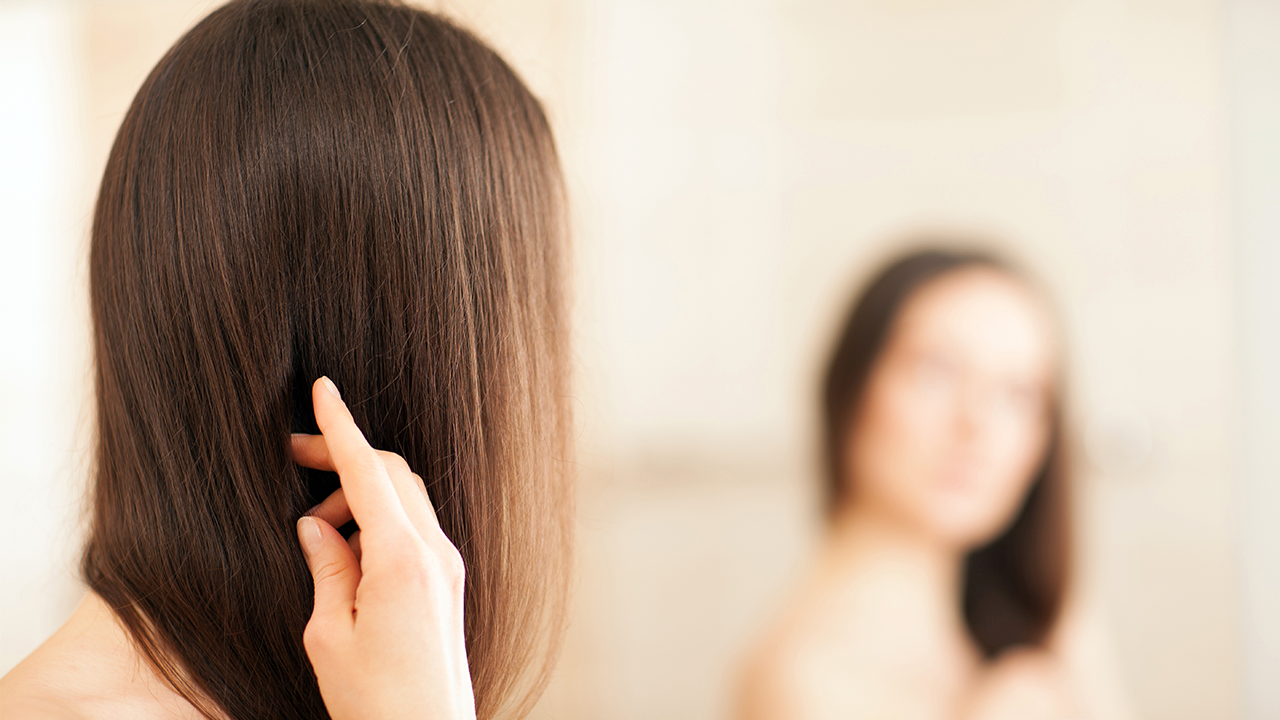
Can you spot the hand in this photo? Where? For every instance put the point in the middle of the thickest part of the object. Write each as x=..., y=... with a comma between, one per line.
x=386, y=636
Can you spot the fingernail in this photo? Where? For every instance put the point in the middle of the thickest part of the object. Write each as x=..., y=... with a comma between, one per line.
x=308, y=534
x=328, y=384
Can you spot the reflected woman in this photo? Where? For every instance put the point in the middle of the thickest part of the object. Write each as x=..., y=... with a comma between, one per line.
x=941, y=590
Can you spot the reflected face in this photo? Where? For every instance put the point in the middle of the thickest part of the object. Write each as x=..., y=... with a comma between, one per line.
x=955, y=417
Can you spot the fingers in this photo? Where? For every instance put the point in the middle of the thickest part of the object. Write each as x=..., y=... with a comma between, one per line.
x=368, y=490
x=412, y=493
x=334, y=509
x=421, y=486
x=335, y=571
x=354, y=543
x=312, y=451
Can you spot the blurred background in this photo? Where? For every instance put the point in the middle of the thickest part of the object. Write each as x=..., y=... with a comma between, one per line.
x=736, y=169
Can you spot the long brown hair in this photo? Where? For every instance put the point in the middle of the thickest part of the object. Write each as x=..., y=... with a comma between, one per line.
x=1014, y=586
x=348, y=188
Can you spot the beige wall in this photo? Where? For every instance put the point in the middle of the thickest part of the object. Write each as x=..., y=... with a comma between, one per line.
x=734, y=167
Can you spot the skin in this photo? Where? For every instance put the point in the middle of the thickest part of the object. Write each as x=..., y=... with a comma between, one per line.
x=385, y=637
x=950, y=430
x=89, y=669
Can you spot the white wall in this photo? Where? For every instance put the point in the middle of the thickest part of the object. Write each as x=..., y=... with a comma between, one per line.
x=43, y=363
x=1253, y=63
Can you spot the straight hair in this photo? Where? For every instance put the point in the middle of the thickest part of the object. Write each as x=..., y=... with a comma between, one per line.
x=350, y=188
x=1015, y=585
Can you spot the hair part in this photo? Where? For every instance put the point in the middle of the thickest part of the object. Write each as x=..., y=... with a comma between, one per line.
x=1015, y=585
x=349, y=188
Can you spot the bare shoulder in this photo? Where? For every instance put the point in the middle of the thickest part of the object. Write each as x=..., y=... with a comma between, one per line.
x=58, y=678
x=777, y=681
x=30, y=692
x=810, y=666
x=18, y=703
x=88, y=670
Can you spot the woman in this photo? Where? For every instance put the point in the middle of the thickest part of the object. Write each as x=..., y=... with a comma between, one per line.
x=941, y=591
x=306, y=188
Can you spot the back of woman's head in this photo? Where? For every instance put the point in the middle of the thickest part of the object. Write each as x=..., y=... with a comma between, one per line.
x=325, y=187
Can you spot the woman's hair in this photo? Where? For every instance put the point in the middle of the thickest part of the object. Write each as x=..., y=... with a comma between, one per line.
x=349, y=188
x=1014, y=585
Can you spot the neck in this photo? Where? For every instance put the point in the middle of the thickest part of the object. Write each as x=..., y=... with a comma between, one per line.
x=913, y=579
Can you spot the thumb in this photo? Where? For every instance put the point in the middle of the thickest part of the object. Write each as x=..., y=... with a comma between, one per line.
x=335, y=571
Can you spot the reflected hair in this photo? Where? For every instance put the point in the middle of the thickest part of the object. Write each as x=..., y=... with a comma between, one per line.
x=1015, y=585
x=350, y=188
